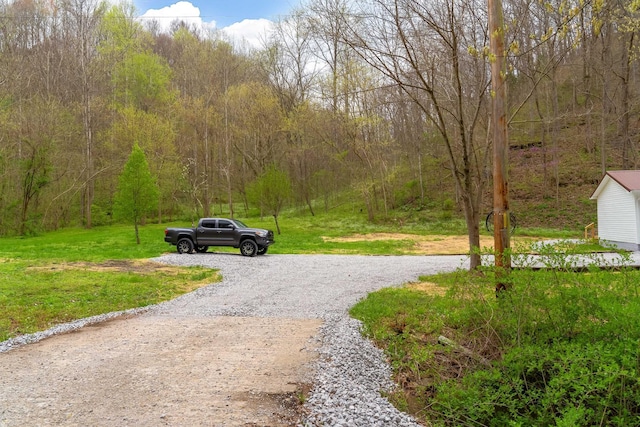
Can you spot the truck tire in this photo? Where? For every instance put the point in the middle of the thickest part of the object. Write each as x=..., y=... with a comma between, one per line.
x=263, y=250
x=248, y=248
x=184, y=246
x=202, y=249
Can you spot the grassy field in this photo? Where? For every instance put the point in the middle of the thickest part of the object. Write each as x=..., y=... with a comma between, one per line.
x=70, y=274
x=73, y=273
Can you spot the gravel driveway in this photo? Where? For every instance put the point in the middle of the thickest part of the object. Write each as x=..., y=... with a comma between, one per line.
x=229, y=354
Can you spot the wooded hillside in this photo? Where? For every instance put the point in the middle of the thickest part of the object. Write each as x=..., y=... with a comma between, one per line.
x=386, y=99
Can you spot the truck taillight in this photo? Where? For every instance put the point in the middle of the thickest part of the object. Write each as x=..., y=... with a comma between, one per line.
x=166, y=231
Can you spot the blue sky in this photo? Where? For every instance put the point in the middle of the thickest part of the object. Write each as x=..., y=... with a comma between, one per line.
x=223, y=12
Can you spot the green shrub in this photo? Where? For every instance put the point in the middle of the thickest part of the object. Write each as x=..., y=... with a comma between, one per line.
x=100, y=216
x=407, y=194
x=562, y=383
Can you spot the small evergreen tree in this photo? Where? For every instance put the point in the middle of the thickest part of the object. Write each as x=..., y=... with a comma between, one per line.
x=137, y=192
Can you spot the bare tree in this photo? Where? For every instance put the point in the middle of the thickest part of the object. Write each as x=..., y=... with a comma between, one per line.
x=424, y=49
x=327, y=25
x=82, y=20
x=289, y=62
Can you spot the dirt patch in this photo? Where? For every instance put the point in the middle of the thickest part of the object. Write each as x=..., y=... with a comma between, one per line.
x=427, y=287
x=161, y=370
x=372, y=237
x=425, y=245
x=121, y=266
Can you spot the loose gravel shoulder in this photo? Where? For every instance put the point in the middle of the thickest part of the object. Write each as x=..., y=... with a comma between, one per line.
x=348, y=373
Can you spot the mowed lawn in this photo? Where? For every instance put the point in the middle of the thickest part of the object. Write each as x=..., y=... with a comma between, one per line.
x=75, y=273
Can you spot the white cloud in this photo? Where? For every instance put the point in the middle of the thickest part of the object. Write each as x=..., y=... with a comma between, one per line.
x=252, y=31
x=249, y=31
x=182, y=11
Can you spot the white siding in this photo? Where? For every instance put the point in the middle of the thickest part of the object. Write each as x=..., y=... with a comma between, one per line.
x=617, y=219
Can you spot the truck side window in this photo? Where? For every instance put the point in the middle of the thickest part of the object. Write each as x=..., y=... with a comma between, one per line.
x=224, y=224
x=208, y=224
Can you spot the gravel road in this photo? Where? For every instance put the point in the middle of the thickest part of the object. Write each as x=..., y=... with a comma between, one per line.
x=291, y=326
x=297, y=286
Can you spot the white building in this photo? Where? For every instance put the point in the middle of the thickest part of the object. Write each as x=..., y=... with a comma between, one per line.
x=618, y=198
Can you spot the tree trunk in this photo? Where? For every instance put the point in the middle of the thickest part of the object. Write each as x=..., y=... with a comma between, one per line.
x=607, y=59
x=275, y=218
x=308, y=200
x=627, y=144
x=500, y=144
x=472, y=217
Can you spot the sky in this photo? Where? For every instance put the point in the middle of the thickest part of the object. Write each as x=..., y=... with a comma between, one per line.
x=244, y=19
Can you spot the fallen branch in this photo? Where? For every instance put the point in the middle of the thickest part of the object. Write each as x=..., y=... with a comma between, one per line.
x=457, y=347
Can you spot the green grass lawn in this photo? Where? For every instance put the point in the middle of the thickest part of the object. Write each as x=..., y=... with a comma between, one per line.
x=64, y=275
x=35, y=295
x=74, y=273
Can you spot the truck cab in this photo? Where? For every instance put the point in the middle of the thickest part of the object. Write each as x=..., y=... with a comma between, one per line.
x=220, y=232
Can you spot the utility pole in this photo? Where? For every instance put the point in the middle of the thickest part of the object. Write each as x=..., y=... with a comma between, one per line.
x=501, y=226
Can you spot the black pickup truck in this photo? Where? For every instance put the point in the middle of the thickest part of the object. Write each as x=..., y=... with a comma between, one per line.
x=220, y=232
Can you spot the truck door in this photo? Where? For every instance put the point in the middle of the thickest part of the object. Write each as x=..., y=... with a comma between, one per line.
x=226, y=232
x=206, y=233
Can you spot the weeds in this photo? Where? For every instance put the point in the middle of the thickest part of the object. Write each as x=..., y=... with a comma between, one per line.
x=562, y=343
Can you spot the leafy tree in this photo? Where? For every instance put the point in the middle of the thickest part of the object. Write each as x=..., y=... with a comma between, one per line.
x=143, y=80
x=36, y=170
x=137, y=192
x=256, y=125
x=34, y=134
x=121, y=34
x=270, y=191
x=155, y=135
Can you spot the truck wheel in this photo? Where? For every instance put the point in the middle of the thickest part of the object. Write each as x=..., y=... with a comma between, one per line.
x=248, y=248
x=184, y=246
x=202, y=249
x=262, y=251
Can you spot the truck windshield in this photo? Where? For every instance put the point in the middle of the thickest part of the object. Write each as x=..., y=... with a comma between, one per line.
x=240, y=224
